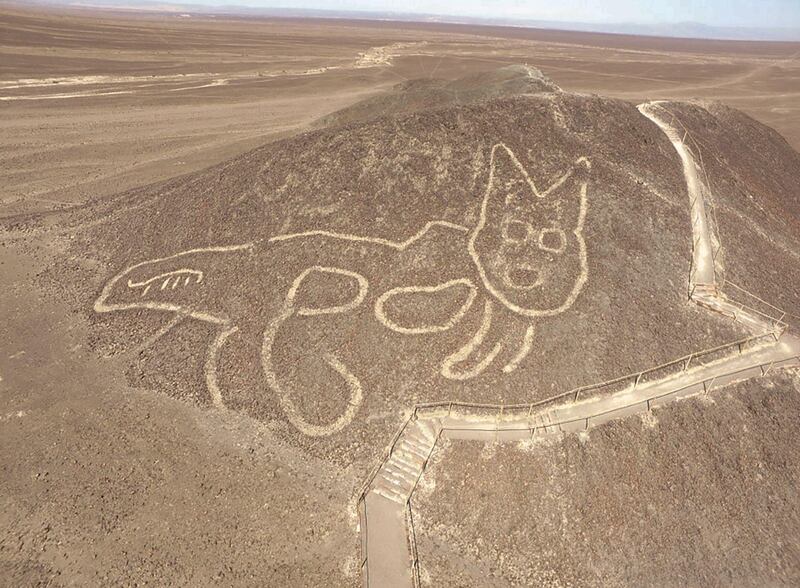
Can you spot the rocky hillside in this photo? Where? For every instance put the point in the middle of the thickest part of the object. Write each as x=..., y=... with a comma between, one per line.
x=496, y=251
x=491, y=240
x=426, y=94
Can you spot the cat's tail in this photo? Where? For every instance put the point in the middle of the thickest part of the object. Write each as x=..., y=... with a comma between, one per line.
x=293, y=305
x=293, y=414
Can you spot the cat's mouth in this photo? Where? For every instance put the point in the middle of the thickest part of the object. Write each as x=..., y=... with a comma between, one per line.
x=522, y=277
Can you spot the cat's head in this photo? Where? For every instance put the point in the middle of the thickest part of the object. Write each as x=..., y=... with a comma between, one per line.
x=528, y=244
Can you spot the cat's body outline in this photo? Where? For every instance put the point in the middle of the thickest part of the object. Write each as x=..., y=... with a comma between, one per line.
x=493, y=295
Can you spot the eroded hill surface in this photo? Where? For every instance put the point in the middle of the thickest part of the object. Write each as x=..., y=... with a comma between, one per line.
x=696, y=493
x=425, y=94
x=499, y=248
x=499, y=251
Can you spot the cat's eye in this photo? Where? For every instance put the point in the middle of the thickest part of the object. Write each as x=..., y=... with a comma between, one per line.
x=553, y=240
x=515, y=231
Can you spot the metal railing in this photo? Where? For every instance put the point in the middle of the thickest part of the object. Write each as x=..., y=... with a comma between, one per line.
x=711, y=220
x=362, y=501
x=630, y=381
x=768, y=321
x=646, y=403
x=706, y=384
x=609, y=387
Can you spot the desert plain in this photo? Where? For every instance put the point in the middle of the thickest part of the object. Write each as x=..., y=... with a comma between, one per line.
x=97, y=102
x=131, y=139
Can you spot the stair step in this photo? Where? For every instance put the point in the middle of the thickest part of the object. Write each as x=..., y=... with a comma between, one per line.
x=416, y=462
x=421, y=444
x=390, y=494
x=411, y=450
x=419, y=439
x=429, y=431
x=406, y=461
x=390, y=482
x=403, y=467
x=394, y=472
x=419, y=449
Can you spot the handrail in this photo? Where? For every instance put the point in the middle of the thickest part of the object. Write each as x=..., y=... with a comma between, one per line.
x=577, y=391
x=412, y=540
x=533, y=428
x=497, y=426
x=779, y=328
x=636, y=377
x=761, y=300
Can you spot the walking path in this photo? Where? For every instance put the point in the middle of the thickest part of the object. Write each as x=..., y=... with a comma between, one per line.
x=388, y=550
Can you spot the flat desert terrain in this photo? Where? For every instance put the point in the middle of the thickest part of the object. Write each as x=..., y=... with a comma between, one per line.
x=306, y=302
x=95, y=103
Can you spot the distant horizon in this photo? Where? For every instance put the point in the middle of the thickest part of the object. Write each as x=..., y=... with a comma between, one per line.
x=363, y=10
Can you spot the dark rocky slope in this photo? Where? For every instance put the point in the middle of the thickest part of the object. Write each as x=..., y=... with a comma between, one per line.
x=698, y=493
x=381, y=173
x=385, y=179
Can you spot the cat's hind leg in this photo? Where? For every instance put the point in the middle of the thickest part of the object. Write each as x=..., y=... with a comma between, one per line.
x=522, y=352
x=490, y=342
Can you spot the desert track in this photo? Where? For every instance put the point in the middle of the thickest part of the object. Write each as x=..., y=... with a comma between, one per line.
x=388, y=548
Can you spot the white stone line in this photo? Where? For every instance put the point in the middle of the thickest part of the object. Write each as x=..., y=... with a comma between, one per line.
x=380, y=312
x=399, y=245
x=351, y=381
x=210, y=367
x=101, y=305
x=363, y=287
x=577, y=232
x=152, y=339
x=524, y=350
x=464, y=353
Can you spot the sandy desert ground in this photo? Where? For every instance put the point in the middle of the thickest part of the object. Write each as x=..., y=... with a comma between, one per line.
x=95, y=103
x=140, y=447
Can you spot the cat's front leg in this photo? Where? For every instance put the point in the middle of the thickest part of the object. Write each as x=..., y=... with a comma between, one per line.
x=501, y=336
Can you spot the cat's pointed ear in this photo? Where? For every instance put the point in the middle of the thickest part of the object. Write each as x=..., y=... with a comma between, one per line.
x=569, y=195
x=509, y=183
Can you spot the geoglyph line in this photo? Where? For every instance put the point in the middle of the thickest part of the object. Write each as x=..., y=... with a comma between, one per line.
x=462, y=354
x=166, y=281
x=577, y=231
x=399, y=245
x=527, y=345
x=391, y=511
x=380, y=313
